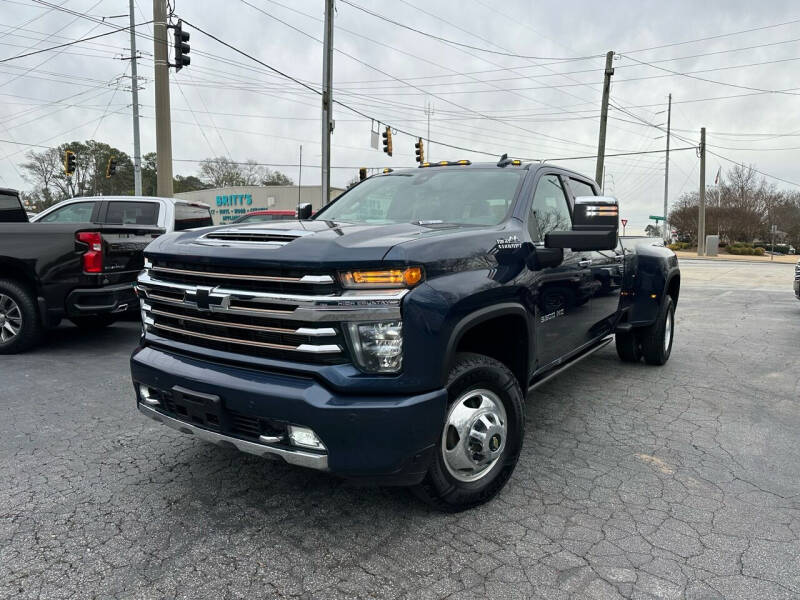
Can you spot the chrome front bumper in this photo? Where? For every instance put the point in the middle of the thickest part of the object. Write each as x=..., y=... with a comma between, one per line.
x=294, y=457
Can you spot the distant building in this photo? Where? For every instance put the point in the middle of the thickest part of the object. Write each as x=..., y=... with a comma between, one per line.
x=230, y=203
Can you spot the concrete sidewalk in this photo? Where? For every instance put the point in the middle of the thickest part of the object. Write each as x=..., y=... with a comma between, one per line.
x=724, y=256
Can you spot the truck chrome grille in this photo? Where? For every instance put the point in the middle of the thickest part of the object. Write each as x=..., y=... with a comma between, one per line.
x=249, y=312
x=274, y=280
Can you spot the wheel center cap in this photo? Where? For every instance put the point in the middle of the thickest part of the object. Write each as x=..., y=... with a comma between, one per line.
x=494, y=442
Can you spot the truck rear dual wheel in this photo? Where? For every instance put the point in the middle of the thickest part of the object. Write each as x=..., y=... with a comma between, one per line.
x=654, y=342
x=20, y=328
x=481, y=438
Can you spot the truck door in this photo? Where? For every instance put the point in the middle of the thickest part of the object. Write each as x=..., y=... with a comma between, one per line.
x=561, y=294
x=607, y=269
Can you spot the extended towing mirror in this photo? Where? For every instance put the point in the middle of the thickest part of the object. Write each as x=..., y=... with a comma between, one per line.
x=595, y=224
x=304, y=211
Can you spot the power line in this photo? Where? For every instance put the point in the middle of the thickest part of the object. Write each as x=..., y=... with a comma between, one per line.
x=713, y=37
x=455, y=43
x=738, y=162
x=622, y=154
x=72, y=43
x=733, y=85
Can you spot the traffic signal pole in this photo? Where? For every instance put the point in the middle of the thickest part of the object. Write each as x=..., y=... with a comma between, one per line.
x=163, y=125
x=327, y=102
x=137, y=154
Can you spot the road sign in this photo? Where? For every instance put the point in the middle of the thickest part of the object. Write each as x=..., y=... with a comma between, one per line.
x=656, y=218
x=624, y=222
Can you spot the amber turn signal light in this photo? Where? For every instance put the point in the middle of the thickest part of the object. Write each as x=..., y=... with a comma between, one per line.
x=383, y=278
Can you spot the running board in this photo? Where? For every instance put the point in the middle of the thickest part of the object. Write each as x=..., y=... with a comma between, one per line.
x=602, y=344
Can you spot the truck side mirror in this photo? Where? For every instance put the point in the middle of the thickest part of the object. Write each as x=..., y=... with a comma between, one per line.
x=595, y=224
x=542, y=258
x=304, y=211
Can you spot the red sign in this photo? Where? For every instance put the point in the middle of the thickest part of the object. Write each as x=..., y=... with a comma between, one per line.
x=624, y=222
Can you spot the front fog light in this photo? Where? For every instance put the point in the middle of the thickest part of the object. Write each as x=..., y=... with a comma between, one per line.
x=305, y=437
x=378, y=347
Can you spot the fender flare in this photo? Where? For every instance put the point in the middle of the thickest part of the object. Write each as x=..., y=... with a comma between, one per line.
x=477, y=317
x=671, y=274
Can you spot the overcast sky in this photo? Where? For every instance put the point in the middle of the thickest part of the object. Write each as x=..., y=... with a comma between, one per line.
x=225, y=104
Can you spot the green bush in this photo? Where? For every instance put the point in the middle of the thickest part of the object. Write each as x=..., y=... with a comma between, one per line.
x=758, y=251
x=748, y=251
x=733, y=249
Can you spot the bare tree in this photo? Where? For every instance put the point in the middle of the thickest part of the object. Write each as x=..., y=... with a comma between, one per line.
x=221, y=172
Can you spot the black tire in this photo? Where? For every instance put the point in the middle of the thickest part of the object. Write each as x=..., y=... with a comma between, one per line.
x=628, y=346
x=25, y=318
x=655, y=347
x=440, y=488
x=93, y=322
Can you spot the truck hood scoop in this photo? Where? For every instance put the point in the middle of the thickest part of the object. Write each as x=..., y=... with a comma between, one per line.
x=250, y=235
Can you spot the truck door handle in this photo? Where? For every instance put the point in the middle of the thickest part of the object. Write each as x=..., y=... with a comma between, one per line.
x=585, y=262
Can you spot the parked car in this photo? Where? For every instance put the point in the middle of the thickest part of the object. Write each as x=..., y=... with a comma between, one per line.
x=169, y=214
x=262, y=216
x=394, y=336
x=82, y=271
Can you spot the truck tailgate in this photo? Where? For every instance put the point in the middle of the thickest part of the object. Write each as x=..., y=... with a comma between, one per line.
x=123, y=246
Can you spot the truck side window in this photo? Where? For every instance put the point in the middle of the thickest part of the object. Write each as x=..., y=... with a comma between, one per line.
x=79, y=212
x=580, y=188
x=549, y=210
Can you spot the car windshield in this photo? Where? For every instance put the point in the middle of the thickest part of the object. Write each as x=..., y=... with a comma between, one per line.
x=448, y=195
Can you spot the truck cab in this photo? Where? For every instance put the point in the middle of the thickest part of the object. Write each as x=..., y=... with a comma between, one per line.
x=393, y=337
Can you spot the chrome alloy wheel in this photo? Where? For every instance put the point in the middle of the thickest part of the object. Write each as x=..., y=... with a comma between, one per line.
x=10, y=319
x=668, y=330
x=474, y=435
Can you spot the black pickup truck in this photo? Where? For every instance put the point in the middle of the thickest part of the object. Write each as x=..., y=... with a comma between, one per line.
x=82, y=271
x=394, y=336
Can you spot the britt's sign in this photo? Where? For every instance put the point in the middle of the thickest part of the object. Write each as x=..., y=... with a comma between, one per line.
x=235, y=200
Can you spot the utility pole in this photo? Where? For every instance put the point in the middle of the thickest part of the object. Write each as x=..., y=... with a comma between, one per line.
x=300, y=175
x=701, y=219
x=666, y=231
x=137, y=153
x=428, y=113
x=327, y=102
x=163, y=125
x=601, y=143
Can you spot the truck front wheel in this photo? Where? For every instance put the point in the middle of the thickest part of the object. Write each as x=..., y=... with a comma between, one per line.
x=657, y=338
x=481, y=438
x=20, y=327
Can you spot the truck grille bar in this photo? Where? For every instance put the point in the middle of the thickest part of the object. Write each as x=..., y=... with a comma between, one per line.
x=213, y=312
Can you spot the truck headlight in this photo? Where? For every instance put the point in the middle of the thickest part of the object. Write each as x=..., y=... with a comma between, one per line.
x=382, y=278
x=377, y=347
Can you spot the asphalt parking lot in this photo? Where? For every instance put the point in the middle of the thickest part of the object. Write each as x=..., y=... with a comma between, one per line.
x=634, y=481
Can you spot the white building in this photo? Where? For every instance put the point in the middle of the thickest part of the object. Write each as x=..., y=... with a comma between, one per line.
x=230, y=203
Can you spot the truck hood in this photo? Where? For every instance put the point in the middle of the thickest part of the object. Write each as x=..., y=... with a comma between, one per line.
x=302, y=243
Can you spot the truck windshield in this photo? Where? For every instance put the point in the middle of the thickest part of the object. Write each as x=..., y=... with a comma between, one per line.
x=447, y=195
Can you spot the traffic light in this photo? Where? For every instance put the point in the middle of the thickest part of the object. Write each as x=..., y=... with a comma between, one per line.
x=420, y=151
x=70, y=162
x=111, y=168
x=362, y=173
x=387, y=140
x=182, y=58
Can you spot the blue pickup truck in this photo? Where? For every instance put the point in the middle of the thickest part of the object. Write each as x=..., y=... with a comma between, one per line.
x=394, y=336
